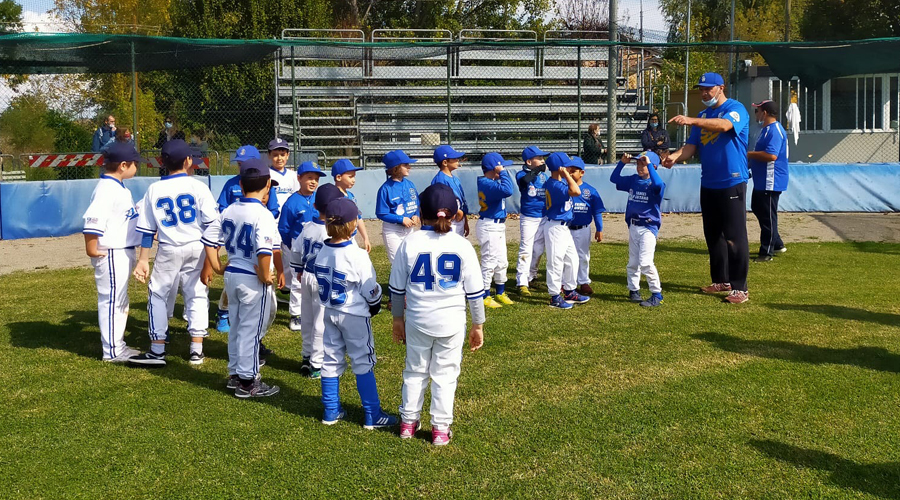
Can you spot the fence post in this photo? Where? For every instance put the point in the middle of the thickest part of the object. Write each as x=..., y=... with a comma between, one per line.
x=449, y=97
x=611, y=85
x=134, y=99
x=578, y=132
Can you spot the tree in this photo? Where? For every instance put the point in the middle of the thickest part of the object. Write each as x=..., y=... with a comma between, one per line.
x=23, y=128
x=10, y=17
x=584, y=15
x=850, y=19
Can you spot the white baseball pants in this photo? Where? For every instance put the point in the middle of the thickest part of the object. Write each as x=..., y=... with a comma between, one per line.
x=111, y=274
x=173, y=265
x=494, y=260
x=312, y=320
x=562, y=258
x=582, y=238
x=346, y=334
x=393, y=235
x=437, y=358
x=296, y=287
x=531, y=246
x=289, y=274
x=250, y=309
x=641, y=247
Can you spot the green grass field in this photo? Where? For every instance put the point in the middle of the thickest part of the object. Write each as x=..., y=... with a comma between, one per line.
x=792, y=395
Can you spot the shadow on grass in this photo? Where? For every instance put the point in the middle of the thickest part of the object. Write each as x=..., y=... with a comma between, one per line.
x=620, y=279
x=678, y=249
x=842, y=312
x=879, y=479
x=872, y=358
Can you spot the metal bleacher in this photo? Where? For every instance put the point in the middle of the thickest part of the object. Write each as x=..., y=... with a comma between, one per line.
x=359, y=102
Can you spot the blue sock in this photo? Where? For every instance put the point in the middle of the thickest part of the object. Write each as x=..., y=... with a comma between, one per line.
x=501, y=289
x=223, y=313
x=658, y=294
x=487, y=293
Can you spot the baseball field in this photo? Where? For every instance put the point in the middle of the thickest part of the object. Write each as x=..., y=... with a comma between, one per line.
x=794, y=394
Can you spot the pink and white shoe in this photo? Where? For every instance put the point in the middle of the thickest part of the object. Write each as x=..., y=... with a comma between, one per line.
x=441, y=437
x=408, y=429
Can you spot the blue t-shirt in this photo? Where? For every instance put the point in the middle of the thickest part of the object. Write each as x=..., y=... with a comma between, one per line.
x=773, y=175
x=559, y=203
x=644, y=197
x=456, y=186
x=297, y=210
x=723, y=155
x=492, y=195
x=231, y=192
x=532, y=193
x=396, y=200
x=587, y=207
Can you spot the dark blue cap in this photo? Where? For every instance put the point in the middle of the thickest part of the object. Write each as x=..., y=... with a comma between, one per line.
x=245, y=153
x=254, y=168
x=341, y=211
x=434, y=198
x=197, y=159
x=532, y=151
x=278, y=143
x=174, y=153
x=653, y=157
x=576, y=161
x=309, y=166
x=121, y=151
x=397, y=157
x=325, y=194
x=446, y=152
x=491, y=160
x=343, y=166
x=710, y=80
x=558, y=160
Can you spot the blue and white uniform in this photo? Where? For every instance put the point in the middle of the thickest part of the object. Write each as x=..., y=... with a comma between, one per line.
x=491, y=227
x=232, y=192
x=643, y=216
x=456, y=186
x=562, y=258
x=297, y=211
x=586, y=208
x=312, y=313
x=247, y=230
x=396, y=200
x=531, y=214
x=771, y=175
x=112, y=217
x=288, y=184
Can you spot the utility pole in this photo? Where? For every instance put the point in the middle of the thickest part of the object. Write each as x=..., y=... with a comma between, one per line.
x=731, y=52
x=787, y=20
x=611, y=85
x=687, y=66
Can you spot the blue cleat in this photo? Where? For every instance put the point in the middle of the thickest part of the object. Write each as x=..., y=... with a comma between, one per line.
x=333, y=417
x=223, y=324
x=558, y=302
x=574, y=297
x=635, y=296
x=380, y=420
x=654, y=301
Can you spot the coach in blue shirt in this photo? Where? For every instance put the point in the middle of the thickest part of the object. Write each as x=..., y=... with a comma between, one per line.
x=719, y=134
x=769, y=166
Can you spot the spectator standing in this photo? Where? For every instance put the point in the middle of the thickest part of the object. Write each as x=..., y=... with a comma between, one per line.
x=593, y=151
x=769, y=166
x=104, y=134
x=169, y=132
x=655, y=138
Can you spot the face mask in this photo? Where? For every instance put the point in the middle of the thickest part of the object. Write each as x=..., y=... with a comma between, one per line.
x=759, y=122
x=168, y=124
x=654, y=125
x=711, y=102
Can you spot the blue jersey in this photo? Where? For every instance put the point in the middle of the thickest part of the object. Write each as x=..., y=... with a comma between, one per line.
x=231, y=192
x=772, y=175
x=297, y=210
x=723, y=155
x=588, y=206
x=559, y=203
x=492, y=195
x=531, y=190
x=456, y=186
x=644, y=197
x=396, y=200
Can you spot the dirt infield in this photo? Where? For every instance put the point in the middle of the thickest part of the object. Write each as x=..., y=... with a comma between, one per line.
x=67, y=252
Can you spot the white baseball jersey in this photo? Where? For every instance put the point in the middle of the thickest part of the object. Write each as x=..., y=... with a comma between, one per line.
x=288, y=184
x=306, y=246
x=437, y=273
x=112, y=215
x=247, y=230
x=177, y=207
x=346, y=278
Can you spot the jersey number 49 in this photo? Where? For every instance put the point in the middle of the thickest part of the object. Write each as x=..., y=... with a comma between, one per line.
x=448, y=268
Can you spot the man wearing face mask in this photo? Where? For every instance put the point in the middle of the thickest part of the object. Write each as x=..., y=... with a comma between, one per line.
x=719, y=133
x=769, y=164
x=655, y=138
x=169, y=133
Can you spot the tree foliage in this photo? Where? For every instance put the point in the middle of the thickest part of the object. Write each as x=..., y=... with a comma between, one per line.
x=850, y=19
x=23, y=126
x=10, y=16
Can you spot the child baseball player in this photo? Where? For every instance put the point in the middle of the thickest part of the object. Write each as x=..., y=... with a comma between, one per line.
x=531, y=180
x=585, y=207
x=493, y=189
x=351, y=296
x=312, y=313
x=109, y=240
x=397, y=202
x=288, y=184
x=436, y=271
x=297, y=211
x=447, y=160
x=562, y=258
x=230, y=193
x=250, y=236
x=344, y=174
x=178, y=208
x=642, y=214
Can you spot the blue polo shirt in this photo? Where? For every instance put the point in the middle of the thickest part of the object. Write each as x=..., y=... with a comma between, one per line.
x=396, y=200
x=532, y=193
x=723, y=155
x=456, y=186
x=231, y=192
x=772, y=175
x=297, y=210
x=492, y=195
x=644, y=197
x=587, y=207
x=559, y=203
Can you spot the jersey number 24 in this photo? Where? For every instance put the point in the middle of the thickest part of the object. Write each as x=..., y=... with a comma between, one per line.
x=448, y=268
x=244, y=238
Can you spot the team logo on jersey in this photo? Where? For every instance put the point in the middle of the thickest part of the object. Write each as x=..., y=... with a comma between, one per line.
x=586, y=195
x=267, y=239
x=132, y=214
x=735, y=115
x=708, y=137
x=92, y=220
x=412, y=192
x=400, y=210
x=532, y=191
x=568, y=205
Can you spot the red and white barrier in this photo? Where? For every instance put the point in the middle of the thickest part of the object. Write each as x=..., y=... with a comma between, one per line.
x=65, y=160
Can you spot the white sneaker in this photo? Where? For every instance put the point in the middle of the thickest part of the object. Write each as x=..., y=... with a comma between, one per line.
x=294, y=325
x=123, y=356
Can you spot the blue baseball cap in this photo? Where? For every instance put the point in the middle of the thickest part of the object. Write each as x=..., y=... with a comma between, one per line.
x=532, y=151
x=490, y=161
x=197, y=159
x=343, y=166
x=434, y=198
x=278, y=143
x=341, y=211
x=710, y=80
x=651, y=156
x=446, y=152
x=397, y=157
x=309, y=166
x=245, y=153
x=174, y=152
x=558, y=160
x=325, y=195
x=576, y=161
x=254, y=168
x=121, y=151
